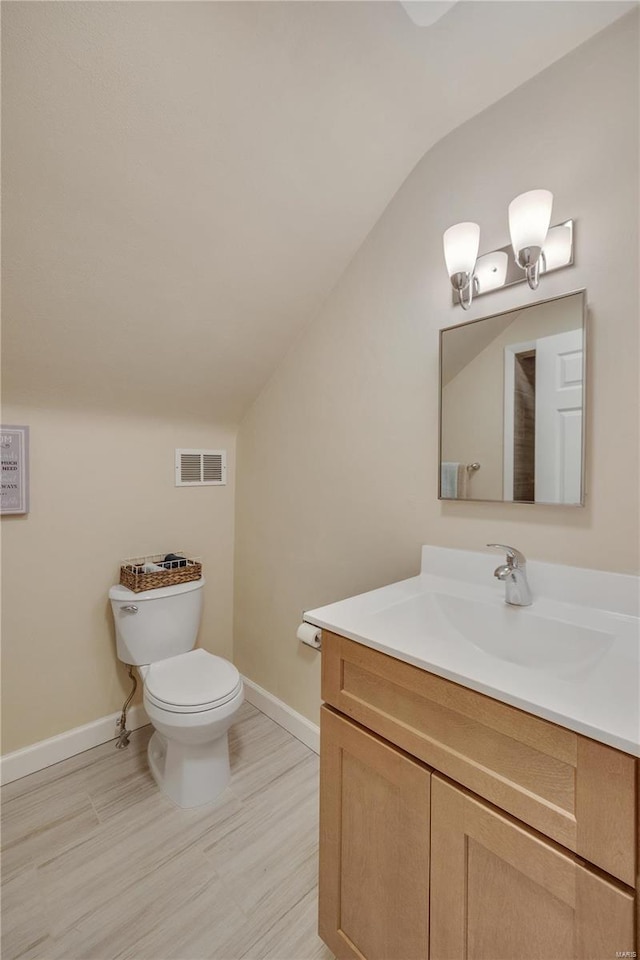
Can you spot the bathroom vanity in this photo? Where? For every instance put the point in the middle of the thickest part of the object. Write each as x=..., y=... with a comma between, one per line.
x=471, y=806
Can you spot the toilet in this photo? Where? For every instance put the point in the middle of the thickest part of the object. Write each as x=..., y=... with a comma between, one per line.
x=191, y=696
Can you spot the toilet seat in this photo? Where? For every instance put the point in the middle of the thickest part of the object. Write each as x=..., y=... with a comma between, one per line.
x=191, y=682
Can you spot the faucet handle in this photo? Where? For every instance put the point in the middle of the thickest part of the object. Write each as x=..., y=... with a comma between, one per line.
x=514, y=557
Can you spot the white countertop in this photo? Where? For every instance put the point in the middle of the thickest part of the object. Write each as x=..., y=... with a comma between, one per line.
x=576, y=650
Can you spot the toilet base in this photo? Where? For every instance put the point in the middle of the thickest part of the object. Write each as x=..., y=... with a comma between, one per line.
x=191, y=775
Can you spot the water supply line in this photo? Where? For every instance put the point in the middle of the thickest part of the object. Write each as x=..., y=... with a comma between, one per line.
x=121, y=724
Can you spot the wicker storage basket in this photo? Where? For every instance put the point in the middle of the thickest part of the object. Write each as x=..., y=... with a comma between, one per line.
x=134, y=577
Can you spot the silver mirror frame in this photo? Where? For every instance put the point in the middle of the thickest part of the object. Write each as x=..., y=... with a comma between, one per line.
x=472, y=467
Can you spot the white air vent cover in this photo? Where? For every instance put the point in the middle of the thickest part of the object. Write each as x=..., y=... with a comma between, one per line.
x=201, y=468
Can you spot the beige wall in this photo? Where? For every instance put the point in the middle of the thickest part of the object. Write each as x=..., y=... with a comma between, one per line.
x=337, y=460
x=102, y=489
x=337, y=481
x=473, y=400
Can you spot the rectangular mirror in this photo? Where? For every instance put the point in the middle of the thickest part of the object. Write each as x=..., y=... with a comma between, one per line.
x=512, y=397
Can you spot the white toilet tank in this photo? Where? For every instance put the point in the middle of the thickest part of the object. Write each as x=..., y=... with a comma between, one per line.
x=156, y=624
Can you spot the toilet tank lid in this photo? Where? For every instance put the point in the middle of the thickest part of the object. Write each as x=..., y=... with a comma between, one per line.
x=118, y=592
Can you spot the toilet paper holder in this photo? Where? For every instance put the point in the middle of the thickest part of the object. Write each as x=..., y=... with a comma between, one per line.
x=310, y=634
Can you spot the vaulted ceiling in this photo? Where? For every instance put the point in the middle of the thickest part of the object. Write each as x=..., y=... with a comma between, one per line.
x=185, y=182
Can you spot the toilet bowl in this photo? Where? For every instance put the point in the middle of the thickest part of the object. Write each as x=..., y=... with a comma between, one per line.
x=191, y=697
x=191, y=701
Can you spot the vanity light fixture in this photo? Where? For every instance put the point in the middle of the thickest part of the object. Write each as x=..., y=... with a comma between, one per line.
x=461, y=243
x=529, y=219
x=535, y=249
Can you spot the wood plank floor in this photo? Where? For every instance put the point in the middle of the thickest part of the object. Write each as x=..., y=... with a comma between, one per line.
x=98, y=865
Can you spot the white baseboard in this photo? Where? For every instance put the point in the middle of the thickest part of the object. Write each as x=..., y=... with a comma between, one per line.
x=43, y=754
x=285, y=716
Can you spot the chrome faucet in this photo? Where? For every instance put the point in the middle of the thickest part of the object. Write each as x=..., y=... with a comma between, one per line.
x=514, y=576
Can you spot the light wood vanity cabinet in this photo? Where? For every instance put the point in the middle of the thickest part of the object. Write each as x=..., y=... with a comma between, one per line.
x=455, y=826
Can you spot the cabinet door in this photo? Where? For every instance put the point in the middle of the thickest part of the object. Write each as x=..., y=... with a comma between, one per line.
x=501, y=892
x=374, y=846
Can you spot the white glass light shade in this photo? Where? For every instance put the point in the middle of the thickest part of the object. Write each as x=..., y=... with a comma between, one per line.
x=529, y=219
x=461, y=242
x=557, y=248
x=491, y=271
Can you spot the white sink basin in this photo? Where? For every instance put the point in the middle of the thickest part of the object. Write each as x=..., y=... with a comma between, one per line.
x=485, y=629
x=520, y=636
x=572, y=657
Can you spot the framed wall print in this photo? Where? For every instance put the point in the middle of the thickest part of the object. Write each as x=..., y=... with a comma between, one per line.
x=14, y=461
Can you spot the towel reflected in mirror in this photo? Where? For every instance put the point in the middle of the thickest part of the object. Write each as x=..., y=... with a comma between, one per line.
x=454, y=480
